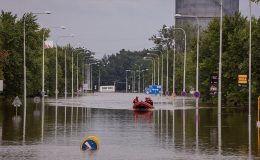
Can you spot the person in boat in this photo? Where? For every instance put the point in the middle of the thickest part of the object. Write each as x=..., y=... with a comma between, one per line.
x=135, y=100
x=149, y=100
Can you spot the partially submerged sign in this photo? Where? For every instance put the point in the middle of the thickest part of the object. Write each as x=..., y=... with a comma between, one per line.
x=17, y=102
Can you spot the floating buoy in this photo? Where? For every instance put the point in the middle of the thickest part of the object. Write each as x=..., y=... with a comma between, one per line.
x=90, y=143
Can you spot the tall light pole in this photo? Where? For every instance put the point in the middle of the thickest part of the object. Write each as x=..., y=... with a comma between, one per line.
x=167, y=73
x=133, y=81
x=167, y=68
x=98, y=78
x=43, y=58
x=126, y=82
x=91, y=83
x=250, y=59
x=72, y=72
x=24, y=69
x=184, y=61
x=143, y=76
x=56, y=68
x=139, y=77
x=220, y=73
x=158, y=81
x=173, y=69
x=153, y=62
x=197, y=94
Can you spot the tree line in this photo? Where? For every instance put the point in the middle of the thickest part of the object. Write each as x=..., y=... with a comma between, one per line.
x=11, y=58
x=112, y=68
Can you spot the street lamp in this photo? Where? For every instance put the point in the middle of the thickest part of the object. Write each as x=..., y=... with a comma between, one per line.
x=197, y=93
x=90, y=65
x=139, y=77
x=133, y=81
x=56, y=86
x=72, y=72
x=143, y=76
x=250, y=59
x=184, y=61
x=24, y=68
x=126, y=82
x=153, y=61
x=158, y=81
x=220, y=74
x=43, y=58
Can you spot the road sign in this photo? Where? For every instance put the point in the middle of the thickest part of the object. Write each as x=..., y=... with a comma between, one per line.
x=196, y=94
x=242, y=80
x=214, y=78
x=155, y=89
x=37, y=100
x=213, y=89
x=17, y=102
x=183, y=93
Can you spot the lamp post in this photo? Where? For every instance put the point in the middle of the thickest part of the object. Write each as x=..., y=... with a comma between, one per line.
x=24, y=69
x=86, y=57
x=173, y=69
x=133, y=82
x=72, y=72
x=157, y=37
x=139, y=77
x=126, y=82
x=250, y=59
x=143, y=76
x=91, y=82
x=98, y=78
x=56, y=84
x=220, y=73
x=184, y=61
x=196, y=94
x=43, y=58
x=153, y=62
x=158, y=81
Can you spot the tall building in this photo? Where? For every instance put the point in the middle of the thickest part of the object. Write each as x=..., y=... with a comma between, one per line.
x=205, y=10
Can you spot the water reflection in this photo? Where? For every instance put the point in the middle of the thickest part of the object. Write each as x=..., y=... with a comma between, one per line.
x=143, y=116
x=42, y=115
x=197, y=125
x=16, y=122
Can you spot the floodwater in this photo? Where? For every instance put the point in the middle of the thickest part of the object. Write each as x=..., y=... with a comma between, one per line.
x=176, y=129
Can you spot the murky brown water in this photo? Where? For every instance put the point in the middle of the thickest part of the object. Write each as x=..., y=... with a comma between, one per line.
x=171, y=131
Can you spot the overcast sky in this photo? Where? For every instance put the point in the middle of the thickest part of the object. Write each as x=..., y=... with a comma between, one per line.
x=105, y=26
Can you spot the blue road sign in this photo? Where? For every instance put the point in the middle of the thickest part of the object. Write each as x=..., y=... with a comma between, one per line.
x=196, y=94
x=184, y=94
x=155, y=89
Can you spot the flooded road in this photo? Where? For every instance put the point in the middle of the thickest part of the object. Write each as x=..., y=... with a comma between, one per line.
x=176, y=129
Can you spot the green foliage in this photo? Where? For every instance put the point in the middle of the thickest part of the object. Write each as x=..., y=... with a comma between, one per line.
x=11, y=42
x=234, y=59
